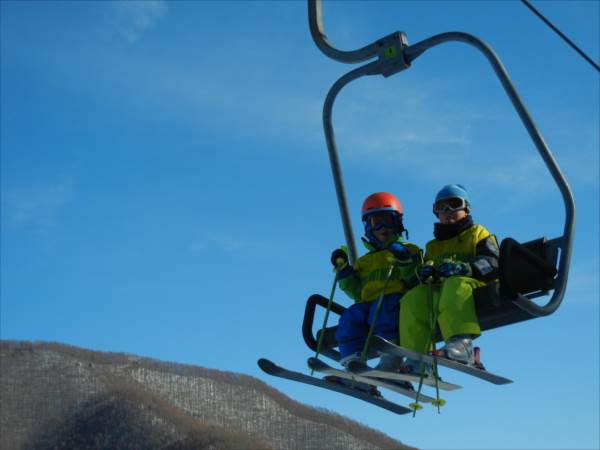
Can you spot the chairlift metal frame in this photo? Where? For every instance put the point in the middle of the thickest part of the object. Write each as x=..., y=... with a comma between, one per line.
x=392, y=54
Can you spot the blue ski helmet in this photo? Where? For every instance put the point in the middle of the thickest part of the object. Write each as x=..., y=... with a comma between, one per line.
x=453, y=191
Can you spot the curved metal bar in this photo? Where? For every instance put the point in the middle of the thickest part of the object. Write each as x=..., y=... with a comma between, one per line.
x=372, y=68
x=566, y=242
x=315, y=20
x=412, y=52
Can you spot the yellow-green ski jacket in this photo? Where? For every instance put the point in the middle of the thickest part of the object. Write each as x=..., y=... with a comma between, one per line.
x=364, y=281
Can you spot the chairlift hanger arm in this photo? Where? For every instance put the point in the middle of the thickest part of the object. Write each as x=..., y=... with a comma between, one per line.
x=315, y=19
x=402, y=60
x=336, y=170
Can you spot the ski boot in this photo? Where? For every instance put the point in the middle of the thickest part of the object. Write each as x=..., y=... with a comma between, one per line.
x=391, y=363
x=348, y=359
x=416, y=368
x=460, y=349
x=363, y=387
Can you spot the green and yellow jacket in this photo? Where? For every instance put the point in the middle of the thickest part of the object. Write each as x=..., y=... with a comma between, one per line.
x=470, y=243
x=364, y=281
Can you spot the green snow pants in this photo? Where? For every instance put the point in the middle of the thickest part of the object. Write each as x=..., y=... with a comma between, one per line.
x=453, y=305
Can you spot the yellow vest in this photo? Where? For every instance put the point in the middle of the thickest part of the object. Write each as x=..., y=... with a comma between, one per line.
x=461, y=247
x=372, y=269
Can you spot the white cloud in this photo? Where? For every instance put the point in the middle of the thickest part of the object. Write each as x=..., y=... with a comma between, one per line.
x=131, y=19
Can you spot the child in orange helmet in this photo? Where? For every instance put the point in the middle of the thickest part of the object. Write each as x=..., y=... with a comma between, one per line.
x=365, y=280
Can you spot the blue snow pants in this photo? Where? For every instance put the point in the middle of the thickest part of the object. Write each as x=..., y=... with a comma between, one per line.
x=356, y=320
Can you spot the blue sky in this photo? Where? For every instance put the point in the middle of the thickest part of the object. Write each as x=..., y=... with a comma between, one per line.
x=166, y=190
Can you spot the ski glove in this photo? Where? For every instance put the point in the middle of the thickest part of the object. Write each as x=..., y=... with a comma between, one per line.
x=339, y=258
x=448, y=269
x=426, y=271
x=399, y=251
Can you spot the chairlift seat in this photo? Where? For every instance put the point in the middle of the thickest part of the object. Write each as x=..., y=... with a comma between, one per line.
x=527, y=269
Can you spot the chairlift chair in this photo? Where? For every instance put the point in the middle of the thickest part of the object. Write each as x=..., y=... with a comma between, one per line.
x=527, y=270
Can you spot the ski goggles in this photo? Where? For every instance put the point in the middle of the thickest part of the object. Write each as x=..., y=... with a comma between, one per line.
x=381, y=220
x=449, y=205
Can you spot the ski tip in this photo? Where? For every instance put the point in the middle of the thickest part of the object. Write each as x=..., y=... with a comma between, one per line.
x=267, y=366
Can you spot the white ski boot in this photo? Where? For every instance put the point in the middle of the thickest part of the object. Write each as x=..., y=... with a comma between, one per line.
x=460, y=349
x=348, y=359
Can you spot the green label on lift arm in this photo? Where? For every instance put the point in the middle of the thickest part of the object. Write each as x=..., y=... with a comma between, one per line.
x=390, y=52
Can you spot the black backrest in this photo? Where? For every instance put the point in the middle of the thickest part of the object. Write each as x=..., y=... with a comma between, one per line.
x=526, y=268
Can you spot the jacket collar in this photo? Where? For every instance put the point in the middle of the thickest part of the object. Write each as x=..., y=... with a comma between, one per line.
x=375, y=248
x=443, y=232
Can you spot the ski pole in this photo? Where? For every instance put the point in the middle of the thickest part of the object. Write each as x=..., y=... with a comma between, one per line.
x=415, y=405
x=433, y=319
x=363, y=356
x=329, y=303
x=438, y=401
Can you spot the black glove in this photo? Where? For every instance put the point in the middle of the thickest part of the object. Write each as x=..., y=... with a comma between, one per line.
x=426, y=271
x=339, y=258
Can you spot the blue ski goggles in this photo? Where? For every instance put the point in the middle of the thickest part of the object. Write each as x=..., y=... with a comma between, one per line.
x=449, y=205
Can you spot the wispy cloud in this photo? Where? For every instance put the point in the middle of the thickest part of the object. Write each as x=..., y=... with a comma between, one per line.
x=375, y=123
x=584, y=284
x=421, y=127
x=130, y=19
x=229, y=244
x=37, y=206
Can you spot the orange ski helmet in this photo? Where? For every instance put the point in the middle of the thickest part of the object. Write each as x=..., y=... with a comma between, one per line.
x=381, y=202
x=377, y=204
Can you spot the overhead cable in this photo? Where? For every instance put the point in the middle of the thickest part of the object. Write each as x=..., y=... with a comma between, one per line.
x=561, y=34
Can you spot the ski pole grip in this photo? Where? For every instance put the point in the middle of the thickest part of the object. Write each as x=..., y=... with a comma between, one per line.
x=338, y=258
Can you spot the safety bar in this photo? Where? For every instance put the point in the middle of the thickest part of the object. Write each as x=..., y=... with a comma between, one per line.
x=394, y=55
x=307, y=323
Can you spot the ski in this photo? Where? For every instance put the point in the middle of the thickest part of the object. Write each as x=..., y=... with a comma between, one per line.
x=320, y=366
x=385, y=346
x=364, y=370
x=273, y=369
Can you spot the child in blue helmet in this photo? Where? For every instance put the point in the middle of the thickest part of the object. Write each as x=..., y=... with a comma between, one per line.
x=462, y=257
x=368, y=278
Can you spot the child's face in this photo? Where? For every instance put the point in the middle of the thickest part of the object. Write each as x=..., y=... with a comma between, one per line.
x=383, y=234
x=450, y=217
x=383, y=226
